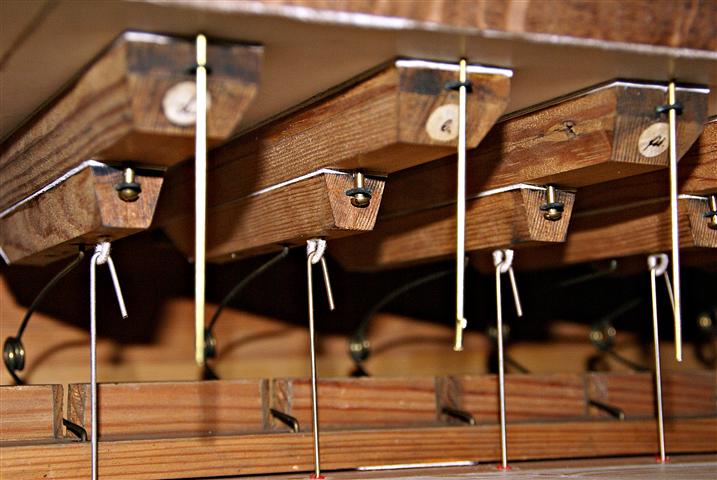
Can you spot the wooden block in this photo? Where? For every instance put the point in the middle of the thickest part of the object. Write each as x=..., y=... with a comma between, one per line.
x=82, y=210
x=117, y=111
x=30, y=412
x=528, y=397
x=584, y=139
x=358, y=402
x=698, y=168
x=314, y=207
x=508, y=219
x=168, y=409
x=687, y=394
x=396, y=117
x=293, y=453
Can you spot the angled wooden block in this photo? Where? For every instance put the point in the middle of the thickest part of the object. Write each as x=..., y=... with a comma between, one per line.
x=30, y=412
x=606, y=133
x=390, y=119
x=80, y=210
x=358, y=402
x=134, y=103
x=170, y=409
x=263, y=221
x=507, y=219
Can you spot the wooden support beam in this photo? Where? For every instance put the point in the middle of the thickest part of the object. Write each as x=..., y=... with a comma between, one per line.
x=263, y=221
x=584, y=139
x=286, y=452
x=134, y=103
x=30, y=412
x=167, y=409
x=394, y=118
x=507, y=219
x=81, y=210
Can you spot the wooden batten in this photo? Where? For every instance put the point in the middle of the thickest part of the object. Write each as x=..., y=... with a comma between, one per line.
x=170, y=409
x=262, y=222
x=400, y=116
x=507, y=219
x=584, y=139
x=81, y=210
x=30, y=413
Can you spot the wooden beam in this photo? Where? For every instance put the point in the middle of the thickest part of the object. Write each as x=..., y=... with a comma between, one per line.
x=507, y=219
x=390, y=119
x=584, y=139
x=265, y=220
x=166, y=409
x=132, y=104
x=285, y=452
x=81, y=210
x=30, y=412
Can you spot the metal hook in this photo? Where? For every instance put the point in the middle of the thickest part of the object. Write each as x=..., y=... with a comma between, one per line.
x=315, y=249
x=100, y=257
x=503, y=261
x=658, y=266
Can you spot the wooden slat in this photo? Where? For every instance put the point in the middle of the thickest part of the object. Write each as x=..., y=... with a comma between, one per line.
x=687, y=394
x=166, y=409
x=379, y=124
x=315, y=207
x=114, y=111
x=528, y=397
x=30, y=412
x=82, y=210
x=509, y=219
x=358, y=402
x=271, y=453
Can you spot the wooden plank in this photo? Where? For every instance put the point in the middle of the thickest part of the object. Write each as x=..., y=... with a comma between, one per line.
x=585, y=139
x=387, y=120
x=82, y=210
x=30, y=412
x=358, y=402
x=275, y=453
x=118, y=110
x=528, y=397
x=508, y=219
x=315, y=207
x=687, y=394
x=167, y=409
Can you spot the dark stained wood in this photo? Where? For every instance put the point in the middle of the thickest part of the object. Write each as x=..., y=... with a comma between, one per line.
x=30, y=412
x=287, y=452
x=358, y=402
x=167, y=409
x=315, y=207
x=507, y=219
x=378, y=124
x=114, y=111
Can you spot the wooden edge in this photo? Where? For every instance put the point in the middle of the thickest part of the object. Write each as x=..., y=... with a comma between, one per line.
x=702, y=235
x=31, y=413
x=310, y=208
x=82, y=210
x=286, y=452
x=507, y=219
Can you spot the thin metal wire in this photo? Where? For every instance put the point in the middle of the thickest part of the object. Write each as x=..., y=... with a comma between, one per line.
x=200, y=198
x=674, y=225
x=658, y=266
x=461, y=209
x=101, y=256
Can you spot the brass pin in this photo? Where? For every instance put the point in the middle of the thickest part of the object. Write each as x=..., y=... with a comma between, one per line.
x=461, y=321
x=360, y=195
x=128, y=189
x=200, y=198
x=553, y=210
x=712, y=214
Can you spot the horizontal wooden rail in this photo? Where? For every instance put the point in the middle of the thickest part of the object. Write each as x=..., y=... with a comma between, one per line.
x=30, y=412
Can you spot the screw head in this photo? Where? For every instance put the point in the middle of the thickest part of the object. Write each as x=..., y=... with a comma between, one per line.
x=553, y=214
x=712, y=223
x=128, y=194
x=360, y=200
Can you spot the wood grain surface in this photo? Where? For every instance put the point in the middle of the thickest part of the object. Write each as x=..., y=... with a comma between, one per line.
x=31, y=412
x=113, y=111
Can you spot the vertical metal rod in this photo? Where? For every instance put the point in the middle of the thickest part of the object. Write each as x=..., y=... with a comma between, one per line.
x=314, y=388
x=501, y=370
x=674, y=226
x=93, y=364
x=652, y=263
x=461, y=209
x=200, y=198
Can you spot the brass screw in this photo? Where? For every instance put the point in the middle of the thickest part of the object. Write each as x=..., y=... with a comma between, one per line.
x=712, y=222
x=128, y=190
x=552, y=208
x=360, y=195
